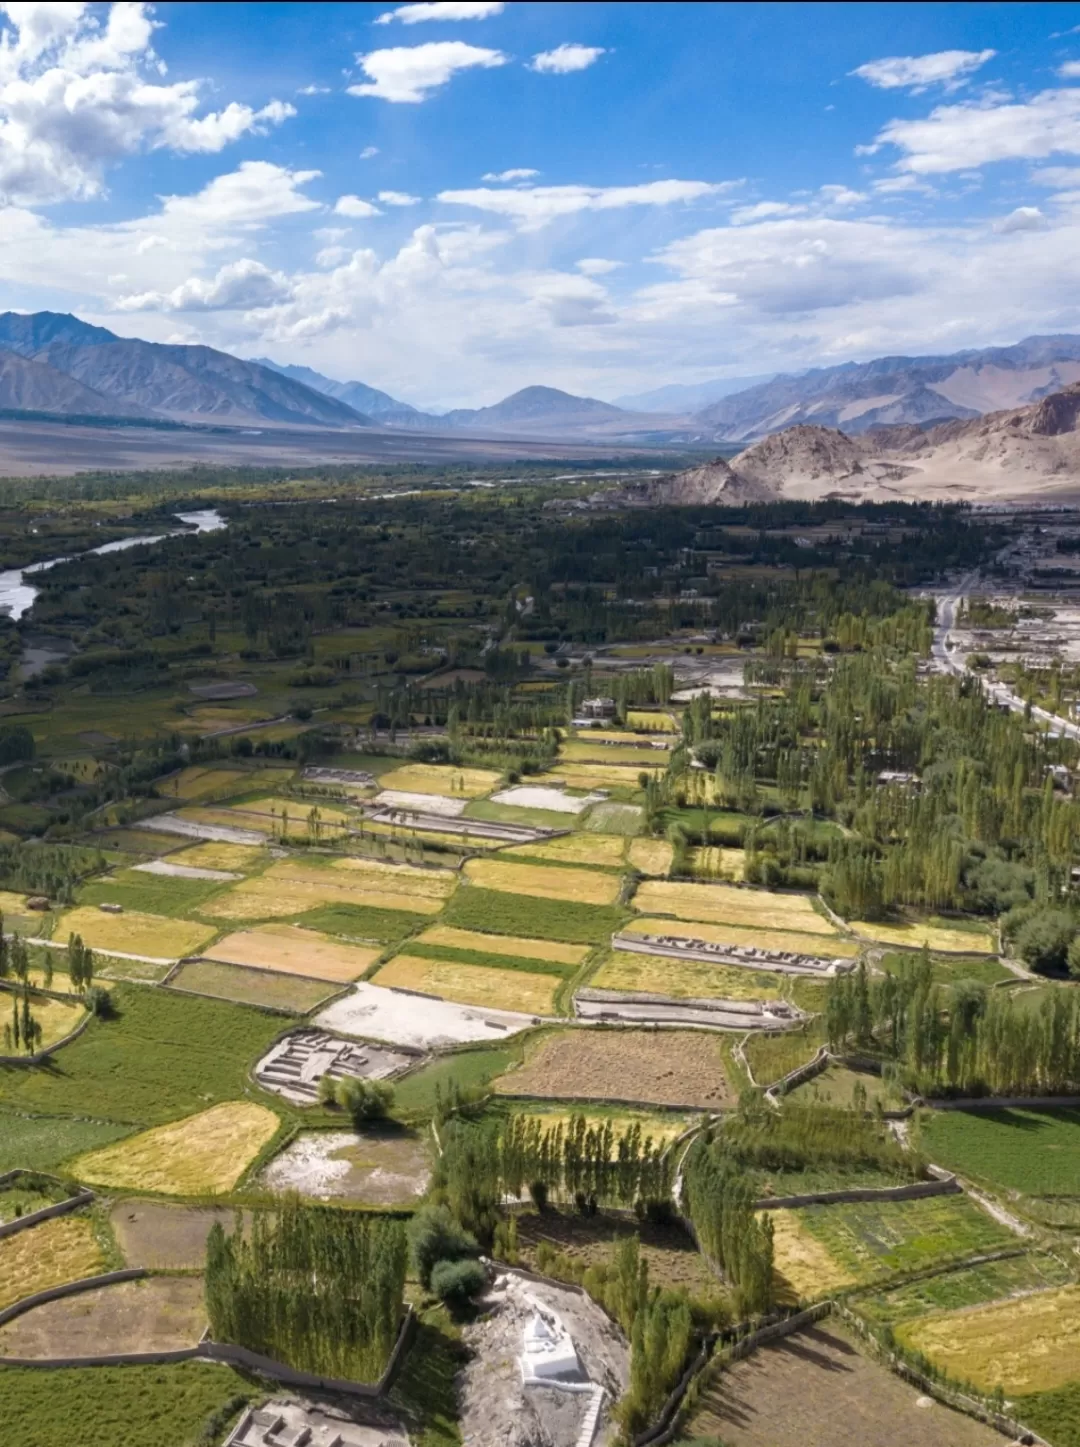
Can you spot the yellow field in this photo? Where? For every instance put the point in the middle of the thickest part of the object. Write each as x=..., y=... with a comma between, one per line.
x=604, y=776
x=802, y=1266
x=583, y=886
x=624, y=740
x=722, y=905
x=651, y=856
x=63, y=1249
x=294, y=951
x=466, y=939
x=834, y=947
x=661, y=1127
x=231, y=820
x=57, y=1018
x=203, y=1154
x=473, y=984
x=683, y=979
x=714, y=862
x=586, y=747
x=606, y=849
x=133, y=933
x=657, y=723
x=269, y=898
x=1025, y=1344
x=12, y=903
x=236, y=857
x=373, y=873
x=440, y=779
x=916, y=934
x=198, y=781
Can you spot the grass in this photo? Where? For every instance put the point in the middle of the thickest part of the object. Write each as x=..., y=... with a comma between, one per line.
x=613, y=819
x=495, y=912
x=459, y=939
x=251, y=987
x=41, y=1143
x=467, y=1070
x=363, y=922
x=581, y=886
x=827, y=947
x=651, y=856
x=606, y=850
x=916, y=933
x=958, y=1290
x=204, y=1154
x=134, y=933
x=1033, y=1151
x=295, y=951
x=153, y=894
x=1054, y=1415
x=133, y=1406
x=158, y=1057
x=773, y=1056
x=63, y=1249
x=515, y=989
x=950, y=970
x=516, y=814
x=836, y=1086
x=715, y=862
x=489, y=958
x=447, y=779
x=213, y=855
x=683, y=979
x=425, y=1390
x=718, y=904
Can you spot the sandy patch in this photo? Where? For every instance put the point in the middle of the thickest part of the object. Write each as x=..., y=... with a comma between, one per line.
x=537, y=796
x=294, y=951
x=183, y=871
x=473, y=984
x=406, y=1019
x=386, y=1169
x=422, y=803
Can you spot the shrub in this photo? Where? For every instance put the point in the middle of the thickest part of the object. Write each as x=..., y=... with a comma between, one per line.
x=434, y=1236
x=365, y=1100
x=539, y=1192
x=1043, y=942
x=458, y=1281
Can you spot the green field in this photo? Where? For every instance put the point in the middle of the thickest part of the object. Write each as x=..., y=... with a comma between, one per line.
x=150, y=893
x=951, y=969
x=1054, y=1415
x=160, y=1056
x=969, y=1286
x=278, y=991
x=771, y=1057
x=1033, y=1151
x=497, y=912
x=494, y=960
x=41, y=1142
x=836, y=1086
x=359, y=922
x=468, y=1069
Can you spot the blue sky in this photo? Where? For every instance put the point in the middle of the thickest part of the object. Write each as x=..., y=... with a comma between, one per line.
x=451, y=201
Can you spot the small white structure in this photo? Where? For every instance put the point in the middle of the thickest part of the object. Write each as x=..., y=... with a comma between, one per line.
x=598, y=708
x=547, y=1352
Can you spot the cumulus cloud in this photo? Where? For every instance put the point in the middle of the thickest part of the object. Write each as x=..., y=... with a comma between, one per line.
x=566, y=58
x=314, y=90
x=916, y=73
x=517, y=173
x=1024, y=218
x=355, y=207
x=409, y=73
x=238, y=286
x=1070, y=70
x=77, y=96
x=442, y=10
x=369, y=151
x=972, y=134
x=534, y=206
x=596, y=265
x=255, y=193
x=398, y=198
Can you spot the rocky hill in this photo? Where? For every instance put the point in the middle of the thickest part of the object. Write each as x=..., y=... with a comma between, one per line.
x=387, y=411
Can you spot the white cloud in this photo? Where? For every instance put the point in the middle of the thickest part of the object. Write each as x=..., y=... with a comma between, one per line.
x=354, y=206
x=255, y=193
x=962, y=137
x=1059, y=178
x=518, y=173
x=76, y=97
x=409, y=73
x=446, y=10
x=398, y=198
x=1024, y=218
x=238, y=286
x=369, y=151
x=839, y=198
x=314, y=90
x=331, y=256
x=566, y=58
x=534, y=206
x=949, y=68
x=896, y=185
x=764, y=211
x=1070, y=70
x=596, y=266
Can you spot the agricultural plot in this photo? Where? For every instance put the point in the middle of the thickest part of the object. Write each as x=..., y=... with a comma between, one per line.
x=718, y=904
x=202, y=1154
x=916, y=933
x=63, y=1249
x=517, y=990
x=495, y=912
x=658, y=1126
x=155, y=936
x=234, y=858
x=609, y=776
x=295, y=951
x=362, y=923
x=714, y=862
x=546, y=798
x=163, y=1314
x=605, y=850
x=38, y=1143
x=651, y=856
x=683, y=979
x=388, y=1167
x=585, y=748
x=199, y=781
x=838, y=1086
x=165, y=1236
x=374, y=1013
x=244, y=986
x=787, y=941
x=658, y=723
x=1033, y=1151
x=446, y=936
x=681, y=1068
x=137, y=892
x=57, y=1018
x=803, y=1268
x=581, y=886
x=447, y=779
x=948, y=1291
x=951, y=969
x=290, y=888
x=611, y=818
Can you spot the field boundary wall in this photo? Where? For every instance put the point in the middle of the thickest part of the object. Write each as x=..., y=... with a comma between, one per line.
x=914, y=1191
x=1004, y=1102
x=41, y=1056
x=46, y=1213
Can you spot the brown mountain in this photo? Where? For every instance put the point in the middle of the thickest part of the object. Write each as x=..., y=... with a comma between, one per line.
x=30, y=386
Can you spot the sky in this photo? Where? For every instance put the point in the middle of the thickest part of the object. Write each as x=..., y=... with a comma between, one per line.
x=452, y=201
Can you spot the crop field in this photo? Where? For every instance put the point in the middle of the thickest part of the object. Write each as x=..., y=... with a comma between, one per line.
x=836, y=1086
x=374, y=873
x=382, y=1167
x=363, y=923
x=949, y=969
x=150, y=894
x=153, y=935
x=676, y=1068
x=57, y=1018
x=657, y=1126
x=651, y=856
x=1033, y=1151
x=251, y=987
x=202, y=1154
x=237, y=858
x=462, y=939
x=613, y=819
x=531, y=993
x=918, y=933
x=295, y=951
x=795, y=1393
x=803, y=1268
x=826, y=947
x=164, y=1313
x=581, y=886
x=441, y=779
x=720, y=905
x=608, y=776
x=683, y=979
x=199, y=781
x=606, y=850
x=658, y=723
x=166, y=1235
x=41, y=1142
x=948, y=1291
x=494, y=912
x=1030, y=1344
x=283, y=891
x=63, y=1249
x=714, y=862
x=584, y=749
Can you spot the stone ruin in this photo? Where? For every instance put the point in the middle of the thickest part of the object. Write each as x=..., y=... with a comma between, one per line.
x=294, y=1065
x=679, y=947
x=298, y=1424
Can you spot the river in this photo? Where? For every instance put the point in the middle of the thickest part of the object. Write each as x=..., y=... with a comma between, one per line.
x=17, y=593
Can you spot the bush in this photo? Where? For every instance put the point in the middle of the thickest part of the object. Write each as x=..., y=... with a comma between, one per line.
x=1043, y=942
x=434, y=1236
x=458, y=1281
x=365, y=1100
x=99, y=1001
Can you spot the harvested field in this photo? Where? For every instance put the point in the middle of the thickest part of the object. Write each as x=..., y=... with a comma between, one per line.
x=198, y=781
x=614, y=819
x=1029, y=1344
x=815, y=1388
x=279, y=893
x=374, y=1013
x=202, y=1154
x=295, y=951
x=1034, y=1151
x=381, y=1167
x=518, y=990
x=57, y=1018
x=63, y=1249
x=919, y=933
x=463, y=939
x=804, y=1269
x=235, y=858
x=421, y=803
x=132, y=932
x=715, y=862
x=251, y=987
x=681, y=1068
x=595, y=849
x=651, y=856
x=948, y=1291
x=608, y=776
x=581, y=886
x=544, y=796
x=446, y=779
x=683, y=979
x=350, y=872
x=829, y=947
x=163, y=1314
x=165, y=1237
x=723, y=905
